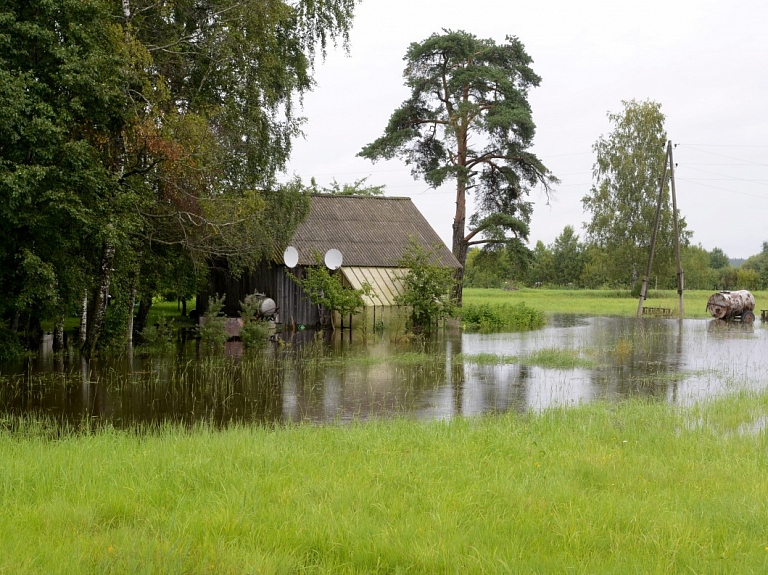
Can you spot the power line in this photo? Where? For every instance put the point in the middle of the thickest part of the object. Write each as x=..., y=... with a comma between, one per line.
x=727, y=176
x=725, y=145
x=724, y=156
x=692, y=180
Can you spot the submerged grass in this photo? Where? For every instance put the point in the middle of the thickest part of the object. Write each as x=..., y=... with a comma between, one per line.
x=554, y=358
x=629, y=487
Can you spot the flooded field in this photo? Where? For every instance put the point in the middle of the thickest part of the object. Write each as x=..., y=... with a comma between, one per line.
x=574, y=359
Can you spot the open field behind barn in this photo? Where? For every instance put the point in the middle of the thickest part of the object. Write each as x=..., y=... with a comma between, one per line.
x=631, y=487
x=600, y=302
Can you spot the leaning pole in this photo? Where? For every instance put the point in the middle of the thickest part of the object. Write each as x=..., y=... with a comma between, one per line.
x=668, y=164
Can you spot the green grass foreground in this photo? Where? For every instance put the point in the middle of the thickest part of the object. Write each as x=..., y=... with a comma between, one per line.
x=600, y=302
x=627, y=488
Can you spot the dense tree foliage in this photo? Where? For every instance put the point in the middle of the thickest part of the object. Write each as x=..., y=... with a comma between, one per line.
x=623, y=199
x=468, y=119
x=359, y=187
x=139, y=139
x=567, y=262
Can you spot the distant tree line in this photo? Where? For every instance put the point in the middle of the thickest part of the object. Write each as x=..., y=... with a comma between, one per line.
x=630, y=196
x=569, y=262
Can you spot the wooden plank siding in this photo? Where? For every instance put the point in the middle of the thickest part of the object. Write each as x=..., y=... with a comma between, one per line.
x=371, y=232
x=294, y=306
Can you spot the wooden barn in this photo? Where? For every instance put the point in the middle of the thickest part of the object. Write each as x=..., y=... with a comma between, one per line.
x=371, y=232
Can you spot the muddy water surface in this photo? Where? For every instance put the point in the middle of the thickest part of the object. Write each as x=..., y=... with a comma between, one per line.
x=345, y=379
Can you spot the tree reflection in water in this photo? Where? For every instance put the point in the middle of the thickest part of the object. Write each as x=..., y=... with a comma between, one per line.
x=338, y=378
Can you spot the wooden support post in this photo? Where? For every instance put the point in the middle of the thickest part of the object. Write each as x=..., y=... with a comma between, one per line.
x=669, y=163
x=680, y=278
x=644, y=288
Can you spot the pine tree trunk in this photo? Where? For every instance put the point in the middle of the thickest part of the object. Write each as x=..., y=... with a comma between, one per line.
x=460, y=245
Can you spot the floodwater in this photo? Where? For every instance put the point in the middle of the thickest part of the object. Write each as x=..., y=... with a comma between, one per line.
x=345, y=379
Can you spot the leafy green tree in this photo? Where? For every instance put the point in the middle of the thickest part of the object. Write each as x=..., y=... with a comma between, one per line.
x=543, y=267
x=727, y=278
x=426, y=287
x=594, y=273
x=759, y=264
x=487, y=268
x=748, y=279
x=146, y=132
x=520, y=258
x=628, y=166
x=498, y=265
x=718, y=259
x=356, y=188
x=699, y=274
x=568, y=259
x=63, y=103
x=468, y=119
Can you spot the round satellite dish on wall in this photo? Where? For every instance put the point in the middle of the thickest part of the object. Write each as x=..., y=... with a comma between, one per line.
x=291, y=256
x=333, y=259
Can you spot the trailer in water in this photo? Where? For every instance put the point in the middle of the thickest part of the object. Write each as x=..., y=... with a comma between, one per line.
x=732, y=305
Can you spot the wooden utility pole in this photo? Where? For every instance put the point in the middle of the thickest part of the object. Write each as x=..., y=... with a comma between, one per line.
x=680, y=278
x=669, y=163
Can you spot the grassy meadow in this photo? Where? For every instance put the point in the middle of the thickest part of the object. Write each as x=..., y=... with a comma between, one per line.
x=600, y=302
x=633, y=487
x=628, y=487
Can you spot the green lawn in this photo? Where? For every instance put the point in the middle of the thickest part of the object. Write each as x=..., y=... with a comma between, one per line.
x=600, y=302
x=627, y=488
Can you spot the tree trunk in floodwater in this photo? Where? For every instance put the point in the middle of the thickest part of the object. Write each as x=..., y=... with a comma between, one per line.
x=100, y=300
x=58, y=334
x=145, y=304
x=83, y=319
x=131, y=307
x=458, y=274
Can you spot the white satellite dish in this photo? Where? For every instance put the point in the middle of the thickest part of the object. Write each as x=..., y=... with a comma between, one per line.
x=333, y=259
x=291, y=256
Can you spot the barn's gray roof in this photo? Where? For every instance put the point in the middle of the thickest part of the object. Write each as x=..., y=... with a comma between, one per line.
x=369, y=231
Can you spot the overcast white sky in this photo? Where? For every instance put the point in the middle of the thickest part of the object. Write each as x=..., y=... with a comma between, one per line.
x=705, y=61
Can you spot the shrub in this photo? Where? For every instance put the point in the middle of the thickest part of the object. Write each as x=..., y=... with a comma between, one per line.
x=213, y=328
x=488, y=318
x=325, y=289
x=255, y=331
x=426, y=287
x=158, y=335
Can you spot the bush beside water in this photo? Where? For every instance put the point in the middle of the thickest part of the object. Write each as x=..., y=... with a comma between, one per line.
x=497, y=317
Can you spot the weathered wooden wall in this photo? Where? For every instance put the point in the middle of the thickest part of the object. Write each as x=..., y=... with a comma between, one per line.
x=294, y=307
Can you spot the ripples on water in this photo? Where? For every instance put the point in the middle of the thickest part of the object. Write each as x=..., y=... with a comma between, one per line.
x=345, y=379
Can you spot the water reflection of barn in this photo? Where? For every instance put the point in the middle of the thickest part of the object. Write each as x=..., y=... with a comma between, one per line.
x=371, y=232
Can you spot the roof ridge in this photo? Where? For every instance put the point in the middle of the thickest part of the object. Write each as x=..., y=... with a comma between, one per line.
x=359, y=197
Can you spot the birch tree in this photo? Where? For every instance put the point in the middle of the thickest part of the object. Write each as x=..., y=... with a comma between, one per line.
x=622, y=201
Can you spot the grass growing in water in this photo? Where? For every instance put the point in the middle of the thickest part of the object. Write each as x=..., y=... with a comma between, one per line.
x=554, y=358
x=632, y=487
x=501, y=316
